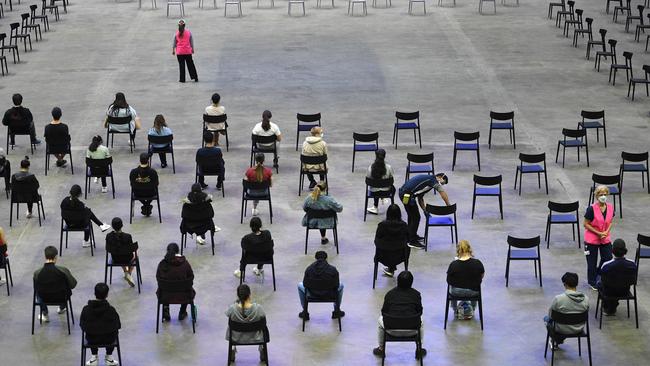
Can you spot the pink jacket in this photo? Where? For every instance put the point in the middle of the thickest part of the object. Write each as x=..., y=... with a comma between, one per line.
x=599, y=223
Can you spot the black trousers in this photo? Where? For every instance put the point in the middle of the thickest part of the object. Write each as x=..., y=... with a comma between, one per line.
x=182, y=60
x=101, y=339
x=32, y=134
x=413, y=212
x=310, y=176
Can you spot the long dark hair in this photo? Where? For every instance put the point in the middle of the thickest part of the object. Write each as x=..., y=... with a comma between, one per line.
x=259, y=167
x=75, y=192
x=119, y=102
x=196, y=195
x=378, y=168
x=159, y=123
x=243, y=294
x=172, y=250
x=97, y=140
x=266, y=120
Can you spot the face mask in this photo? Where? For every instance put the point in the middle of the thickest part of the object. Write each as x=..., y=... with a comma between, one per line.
x=322, y=134
x=602, y=199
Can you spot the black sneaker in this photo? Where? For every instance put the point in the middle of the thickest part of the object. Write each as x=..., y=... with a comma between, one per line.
x=204, y=186
x=166, y=317
x=378, y=352
x=61, y=163
x=219, y=186
x=422, y=353
x=303, y=315
x=324, y=241
x=416, y=245
x=420, y=238
x=338, y=314
x=163, y=165
x=35, y=142
x=182, y=315
x=312, y=184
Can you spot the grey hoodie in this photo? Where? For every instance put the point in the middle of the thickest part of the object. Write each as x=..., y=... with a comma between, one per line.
x=570, y=302
x=237, y=314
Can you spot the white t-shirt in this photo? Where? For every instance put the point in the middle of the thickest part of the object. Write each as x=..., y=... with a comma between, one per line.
x=122, y=112
x=273, y=131
x=213, y=110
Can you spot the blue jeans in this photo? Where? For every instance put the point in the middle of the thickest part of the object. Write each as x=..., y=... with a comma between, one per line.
x=457, y=291
x=302, y=294
x=592, y=260
x=43, y=306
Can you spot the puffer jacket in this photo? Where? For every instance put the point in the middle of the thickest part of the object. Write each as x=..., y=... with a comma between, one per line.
x=314, y=146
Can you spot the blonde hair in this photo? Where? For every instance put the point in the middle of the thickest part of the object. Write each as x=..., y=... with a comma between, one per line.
x=464, y=248
x=316, y=131
x=601, y=189
x=318, y=189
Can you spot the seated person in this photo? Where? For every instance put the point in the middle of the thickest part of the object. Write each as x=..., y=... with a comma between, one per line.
x=209, y=159
x=5, y=169
x=24, y=186
x=160, y=129
x=77, y=215
x=391, y=238
x=97, y=151
x=322, y=274
x=379, y=170
x=318, y=201
x=57, y=137
x=244, y=310
x=101, y=323
x=314, y=145
x=268, y=128
x=175, y=271
x=256, y=246
x=464, y=277
x=18, y=119
x=402, y=301
x=258, y=173
x=616, y=276
x=197, y=214
x=570, y=302
x=122, y=249
x=120, y=108
x=216, y=109
x=3, y=253
x=53, y=283
x=144, y=183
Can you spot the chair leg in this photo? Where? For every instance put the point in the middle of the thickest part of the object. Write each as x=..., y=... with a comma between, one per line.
x=374, y=277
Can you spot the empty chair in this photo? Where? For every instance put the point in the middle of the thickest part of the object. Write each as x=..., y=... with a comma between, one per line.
x=489, y=187
x=466, y=141
x=562, y=214
x=13, y=48
x=363, y=3
x=576, y=139
x=552, y=5
x=42, y=18
x=613, y=183
x=437, y=216
x=594, y=120
x=480, y=5
x=620, y=3
x=622, y=9
x=51, y=8
x=569, y=319
x=642, y=251
x=605, y=54
x=575, y=21
x=305, y=124
x=27, y=26
x=296, y=2
x=17, y=34
x=364, y=142
x=634, y=162
x=564, y=13
x=3, y=59
x=595, y=43
x=645, y=80
x=63, y=2
x=179, y=3
x=641, y=27
x=627, y=66
x=583, y=31
x=502, y=121
x=4, y=264
x=407, y=121
x=631, y=18
x=530, y=163
x=424, y=5
x=524, y=249
x=419, y=164
x=237, y=3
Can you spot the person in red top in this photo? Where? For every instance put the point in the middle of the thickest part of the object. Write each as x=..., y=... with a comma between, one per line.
x=258, y=173
x=598, y=223
x=184, y=49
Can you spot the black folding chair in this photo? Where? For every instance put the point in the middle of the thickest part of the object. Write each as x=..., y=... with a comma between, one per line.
x=268, y=260
x=305, y=123
x=407, y=121
x=21, y=131
x=642, y=251
x=488, y=187
x=184, y=240
x=312, y=160
x=310, y=298
x=110, y=263
x=567, y=213
x=65, y=228
x=175, y=286
x=246, y=196
x=53, y=299
x=207, y=167
x=406, y=255
x=569, y=319
x=634, y=162
x=257, y=146
x=168, y=149
x=65, y=151
x=630, y=295
x=99, y=168
x=595, y=120
x=8, y=276
x=216, y=119
x=16, y=191
x=503, y=121
x=524, y=249
x=137, y=197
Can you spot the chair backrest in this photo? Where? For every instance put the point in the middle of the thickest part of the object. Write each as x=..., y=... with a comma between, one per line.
x=523, y=243
x=2, y=39
x=440, y=210
x=564, y=207
x=589, y=21
x=24, y=19
x=33, y=8
x=634, y=157
x=571, y=3
x=401, y=323
x=313, y=160
x=257, y=139
x=570, y=318
x=215, y=119
x=119, y=120
x=407, y=116
x=579, y=14
x=567, y=132
x=592, y=115
x=208, y=164
x=320, y=214
x=308, y=119
x=365, y=137
x=250, y=327
x=612, y=45
x=380, y=183
x=175, y=285
x=99, y=163
x=628, y=57
x=467, y=136
x=607, y=180
x=153, y=139
x=640, y=8
x=532, y=158
x=502, y=116
x=643, y=240
x=14, y=27
x=419, y=158
x=646, y=69
x=602, y=32
x=263, y=185
x=488, y=181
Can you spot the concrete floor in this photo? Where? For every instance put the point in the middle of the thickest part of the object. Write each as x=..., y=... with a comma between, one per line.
x=452, y=64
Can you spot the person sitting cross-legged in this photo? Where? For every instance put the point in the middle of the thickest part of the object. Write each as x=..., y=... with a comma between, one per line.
x=122, y=249
x=209, y=159
x=197, y=214
x=570, y=302
x=401, y=302
x=51, y=281
x=616, y=276
x=144, y=183
x=325, y=274
x=101, y=322
x=77, y=215
x=256, y=246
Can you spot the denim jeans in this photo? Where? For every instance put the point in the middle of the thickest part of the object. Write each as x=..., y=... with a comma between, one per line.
x=302, y=294
x=44, y=310
x=557, y=338
x=592, y=260
x=457, y=291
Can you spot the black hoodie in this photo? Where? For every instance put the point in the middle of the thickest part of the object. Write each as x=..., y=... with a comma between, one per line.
x=99, y=317
x=323, y=275
x=391, y=240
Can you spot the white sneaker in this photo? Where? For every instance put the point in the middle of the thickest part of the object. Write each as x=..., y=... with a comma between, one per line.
x=129, y=279
x=93, y=361
x=104, y=189
x=237, y=273
x=110, y=361
x=96, y=180
x=2, y=282
x=257, y=271
x=255, y=212
x=200, y=240
x=86, y=244
x=28, y=215
x=372, y=210
x=61, y=311
x=105, y=227
x=216, y=228
x=44, y=318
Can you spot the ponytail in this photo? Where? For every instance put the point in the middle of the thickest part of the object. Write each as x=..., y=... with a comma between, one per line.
x=266, y=120
x=97, y=140
x=243, y=294
x=378, y=167
x=318, y=189
x=172, y=250
x=259, y=167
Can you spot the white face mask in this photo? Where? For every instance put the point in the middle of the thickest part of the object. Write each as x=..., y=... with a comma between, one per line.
x=602, y=199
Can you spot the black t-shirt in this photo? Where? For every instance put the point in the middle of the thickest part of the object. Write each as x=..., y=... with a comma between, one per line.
x=257, y=244
x=589, y=213
x=466, y=274
x=57, y=134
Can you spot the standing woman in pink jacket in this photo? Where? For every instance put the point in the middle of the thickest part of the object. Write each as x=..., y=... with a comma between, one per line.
x=183, y=49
